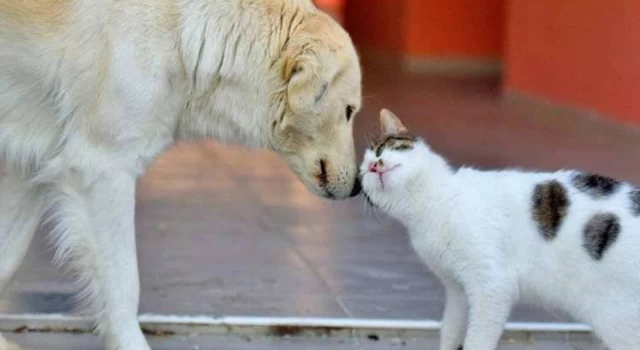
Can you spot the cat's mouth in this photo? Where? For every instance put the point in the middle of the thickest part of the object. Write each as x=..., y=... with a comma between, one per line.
x=382, y=172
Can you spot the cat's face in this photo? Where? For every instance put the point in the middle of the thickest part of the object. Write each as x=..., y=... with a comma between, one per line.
x=390, y=160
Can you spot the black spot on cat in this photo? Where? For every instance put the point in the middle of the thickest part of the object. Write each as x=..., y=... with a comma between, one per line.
x=600, y=233
x=597, y=186
x=460, y=348
x=634, y=197
x=550, y=206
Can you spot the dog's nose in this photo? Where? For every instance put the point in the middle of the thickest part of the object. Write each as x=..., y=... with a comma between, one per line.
x=357, y=188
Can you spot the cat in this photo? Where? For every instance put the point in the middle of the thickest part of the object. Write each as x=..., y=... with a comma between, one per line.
x=566, y=240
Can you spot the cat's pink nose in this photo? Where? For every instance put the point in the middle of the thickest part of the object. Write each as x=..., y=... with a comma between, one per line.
x=373, y=167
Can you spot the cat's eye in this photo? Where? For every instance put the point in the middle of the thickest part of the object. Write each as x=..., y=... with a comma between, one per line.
x=349, y=112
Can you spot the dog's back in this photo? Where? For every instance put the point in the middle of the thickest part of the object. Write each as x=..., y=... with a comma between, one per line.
x=56, y=74
x=32, y=51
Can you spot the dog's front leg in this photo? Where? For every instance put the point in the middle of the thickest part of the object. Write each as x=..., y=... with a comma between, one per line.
x=112, y=202
x=95, y=237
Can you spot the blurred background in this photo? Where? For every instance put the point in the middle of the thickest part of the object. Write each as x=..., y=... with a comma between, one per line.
x=563, y=73
x=540, y=84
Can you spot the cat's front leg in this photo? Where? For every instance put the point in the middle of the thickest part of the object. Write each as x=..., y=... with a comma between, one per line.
x=454, y=320
x=489, y=308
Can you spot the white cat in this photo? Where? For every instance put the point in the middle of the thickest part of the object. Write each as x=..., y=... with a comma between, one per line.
x=566, y=240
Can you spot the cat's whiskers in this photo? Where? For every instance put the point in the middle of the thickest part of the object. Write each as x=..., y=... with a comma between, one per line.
x=367, y=207
x=370, y=206
x=375, y=211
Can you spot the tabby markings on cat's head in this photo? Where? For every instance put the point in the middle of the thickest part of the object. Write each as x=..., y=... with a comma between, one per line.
x=393, y=142
x=387, y=155
x=393, y=135
x=382, y=166
x=596, y=186
x=600, y=232
x=550, y=206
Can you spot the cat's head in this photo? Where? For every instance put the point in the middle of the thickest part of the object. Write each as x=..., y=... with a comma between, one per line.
x=391, y=160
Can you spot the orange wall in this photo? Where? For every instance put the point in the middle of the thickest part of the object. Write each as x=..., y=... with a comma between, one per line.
x=335, y=8
x=439, y=28
x=458, y=28
x=584, y=53
x=377, y=24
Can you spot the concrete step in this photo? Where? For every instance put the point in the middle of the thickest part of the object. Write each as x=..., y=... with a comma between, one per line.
x=58, y=332
x=63, y=341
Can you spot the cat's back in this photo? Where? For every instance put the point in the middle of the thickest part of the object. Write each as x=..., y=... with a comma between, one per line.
x=568, y=239
x=507, y=190
x=565, y=233
x=539, y=195
x=588, y=228
x=583, y=241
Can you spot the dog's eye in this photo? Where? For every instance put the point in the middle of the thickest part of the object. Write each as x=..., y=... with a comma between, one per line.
x=349, y=112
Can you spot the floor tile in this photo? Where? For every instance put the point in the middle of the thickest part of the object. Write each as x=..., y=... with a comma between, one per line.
x=382, y=279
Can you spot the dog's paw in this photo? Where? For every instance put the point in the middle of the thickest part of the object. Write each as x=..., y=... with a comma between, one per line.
x=7, y=345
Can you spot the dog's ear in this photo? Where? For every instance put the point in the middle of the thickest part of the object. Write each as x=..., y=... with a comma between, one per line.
x=307, y=76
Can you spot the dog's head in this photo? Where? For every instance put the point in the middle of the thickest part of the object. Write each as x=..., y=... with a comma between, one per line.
x=321, y=97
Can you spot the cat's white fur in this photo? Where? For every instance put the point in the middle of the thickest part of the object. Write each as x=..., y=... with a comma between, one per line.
x=91, y=91
x=475, y=231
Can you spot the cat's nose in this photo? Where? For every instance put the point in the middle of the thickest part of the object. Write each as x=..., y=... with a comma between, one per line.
x=373, y=167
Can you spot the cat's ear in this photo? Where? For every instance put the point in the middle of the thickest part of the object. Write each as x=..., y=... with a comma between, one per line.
x=390, y=123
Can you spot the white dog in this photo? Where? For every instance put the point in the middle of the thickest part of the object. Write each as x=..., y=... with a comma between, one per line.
x=91, y=91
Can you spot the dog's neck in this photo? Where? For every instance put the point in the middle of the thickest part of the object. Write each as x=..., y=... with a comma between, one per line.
x=233, y=85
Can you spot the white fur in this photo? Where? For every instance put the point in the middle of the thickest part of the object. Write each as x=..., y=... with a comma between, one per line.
x=475, y=230
x=92, y=91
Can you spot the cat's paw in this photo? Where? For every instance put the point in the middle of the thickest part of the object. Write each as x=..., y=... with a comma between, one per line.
x=7, y=345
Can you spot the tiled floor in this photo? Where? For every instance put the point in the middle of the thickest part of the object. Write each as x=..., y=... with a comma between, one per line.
x=220, y=236
x=217, y=238
x=202, y=342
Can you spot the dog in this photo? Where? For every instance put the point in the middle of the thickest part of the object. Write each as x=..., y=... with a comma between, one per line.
x=92, y=91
